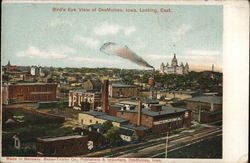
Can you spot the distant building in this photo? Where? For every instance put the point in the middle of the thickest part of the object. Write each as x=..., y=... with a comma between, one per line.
x=178, y=94
x=92, y=84
x=12, y=68
x=122, y=90
x=66, y=146
x=36, y=71
x=174, y=68
x=205, y=108
x=82, y=97
x=29, y=92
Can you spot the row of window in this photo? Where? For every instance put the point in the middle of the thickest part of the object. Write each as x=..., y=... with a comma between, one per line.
x=37, y=89
x=37, y=97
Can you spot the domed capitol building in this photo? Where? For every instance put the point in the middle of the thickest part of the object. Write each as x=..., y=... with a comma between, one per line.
x=174, y=68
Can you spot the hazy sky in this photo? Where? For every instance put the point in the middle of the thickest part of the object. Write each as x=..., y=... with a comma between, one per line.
x=34, y=34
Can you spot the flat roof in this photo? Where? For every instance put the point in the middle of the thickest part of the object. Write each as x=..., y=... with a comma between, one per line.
x=134, y=127
x=86, y=90
x=122, y=86
x=185, y=92
x=61, y=137
x=33, y=84
x=165, y=111
x=206, y=99
x=93, y=113
x=104, y=116
x=112, y=118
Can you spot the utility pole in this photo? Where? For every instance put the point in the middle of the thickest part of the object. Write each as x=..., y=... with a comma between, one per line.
x=166, y=152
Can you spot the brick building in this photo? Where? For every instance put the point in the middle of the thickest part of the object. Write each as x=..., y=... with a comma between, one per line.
x=157, y=117
x=78, y=97
x=70, y=145
x=29, y=92
x=205, y=108
x=121, y=90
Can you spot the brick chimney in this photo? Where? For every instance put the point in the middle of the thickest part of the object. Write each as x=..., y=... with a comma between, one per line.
x=105, y=96
x=139, y=113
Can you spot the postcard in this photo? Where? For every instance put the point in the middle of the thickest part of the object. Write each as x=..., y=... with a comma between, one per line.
x=108, y=81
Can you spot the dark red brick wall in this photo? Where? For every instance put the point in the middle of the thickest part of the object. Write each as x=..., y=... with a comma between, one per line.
x=148, y=121
x=113, y=110
x=33, y=93
x=66, y=148
x=208, y=118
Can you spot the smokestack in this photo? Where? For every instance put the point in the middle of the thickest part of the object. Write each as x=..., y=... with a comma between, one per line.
x=139, y=113
x=105, y=96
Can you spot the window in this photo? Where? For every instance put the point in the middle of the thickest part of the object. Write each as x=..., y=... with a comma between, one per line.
x=96, y=122
x=17, y=143
x=90, y=121
x=81, y=121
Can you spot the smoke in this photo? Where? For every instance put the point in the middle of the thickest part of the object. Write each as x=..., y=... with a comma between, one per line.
x=111, y=48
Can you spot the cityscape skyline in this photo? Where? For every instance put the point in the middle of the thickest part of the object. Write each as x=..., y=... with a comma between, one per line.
x=73, y=39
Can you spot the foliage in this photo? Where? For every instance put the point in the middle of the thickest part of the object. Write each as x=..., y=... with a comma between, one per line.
x=105, y=127
x=113, y=136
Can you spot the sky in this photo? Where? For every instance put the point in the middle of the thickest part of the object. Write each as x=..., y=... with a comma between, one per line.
x=34, y=34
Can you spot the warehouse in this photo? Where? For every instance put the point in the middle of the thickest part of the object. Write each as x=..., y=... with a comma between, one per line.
x=158, y=118
x=70, y=145
x=122, y=90
x=29, y=92
x=205, y=109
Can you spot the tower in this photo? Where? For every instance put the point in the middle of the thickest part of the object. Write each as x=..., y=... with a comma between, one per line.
x=174, y=61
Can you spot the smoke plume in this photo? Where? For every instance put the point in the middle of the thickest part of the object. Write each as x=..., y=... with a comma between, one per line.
x=123, y=52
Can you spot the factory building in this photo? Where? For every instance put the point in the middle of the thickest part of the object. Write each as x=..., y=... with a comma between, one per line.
x=205, y=108
x=83, y=99
x=122, y=90
x=94, y=117
x=66, y=146
x=158, y=118
x=29, y=92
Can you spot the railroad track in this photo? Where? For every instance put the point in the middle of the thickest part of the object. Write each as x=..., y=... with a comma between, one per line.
x=150, y=150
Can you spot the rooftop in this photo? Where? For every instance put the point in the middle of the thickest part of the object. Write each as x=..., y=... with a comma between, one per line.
x=165, y=111
x=61, y=137
x=184, y=92
x=86, y=90
x=93, y=113
x=113, y=118
x=34, y=84
x=104, y=116
x=134, y=127
x=206, y=99
x=122, y=86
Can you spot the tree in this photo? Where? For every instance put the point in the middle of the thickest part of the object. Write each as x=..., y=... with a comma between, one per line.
x=105, y=127
x=113, y=136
